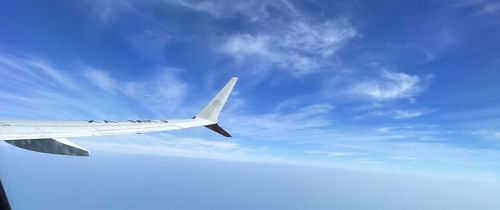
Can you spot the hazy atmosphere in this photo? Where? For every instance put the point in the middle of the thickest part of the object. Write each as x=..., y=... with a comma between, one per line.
x=339, y=104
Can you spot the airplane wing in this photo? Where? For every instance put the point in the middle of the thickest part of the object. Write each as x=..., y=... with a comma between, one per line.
x=50, y=136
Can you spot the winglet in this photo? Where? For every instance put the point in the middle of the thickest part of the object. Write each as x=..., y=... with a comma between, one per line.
x=212, y=110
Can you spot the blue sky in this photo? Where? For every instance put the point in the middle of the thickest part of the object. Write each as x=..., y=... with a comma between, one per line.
x=407, y=87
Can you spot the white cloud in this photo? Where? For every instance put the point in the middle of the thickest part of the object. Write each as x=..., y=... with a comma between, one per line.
x=322, y=39
x=210, y=7
x=299, y=47
x=389, y=86
x=42, y=90
x=165, y=88
x=253, y=10
x=405, y=114
x=241, y=46
x=101, y=80
x=22, y=70
x=335, y=154
x=164, y=93
x=304, y=121
x=286, y=39
x=485, y=7
x=35, y=88
x=397, y=114
x=437, y=44
x=107, y=11
x=491, y=8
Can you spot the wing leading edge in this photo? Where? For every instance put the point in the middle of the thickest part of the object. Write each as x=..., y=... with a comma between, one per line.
x=50, y=136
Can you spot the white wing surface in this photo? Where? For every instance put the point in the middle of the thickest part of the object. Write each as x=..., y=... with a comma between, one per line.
x=50, y=136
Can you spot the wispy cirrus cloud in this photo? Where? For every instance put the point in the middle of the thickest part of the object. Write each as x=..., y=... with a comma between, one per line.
x=437, y=44
x=491, y=8
x=485, y=7
x=281, y=37
x=388, y=86
x=252, y=10
x=20, y=69
x=165, y=93
x=154, y=94
x=396, y=114
x=300, y=47
x=107, y=11
x=278, y=125
x=101, y=79
x=378, y=93
x=406, y=114
x=33, y=84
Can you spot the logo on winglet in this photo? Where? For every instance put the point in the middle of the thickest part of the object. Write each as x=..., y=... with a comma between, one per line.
x=216, y=103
